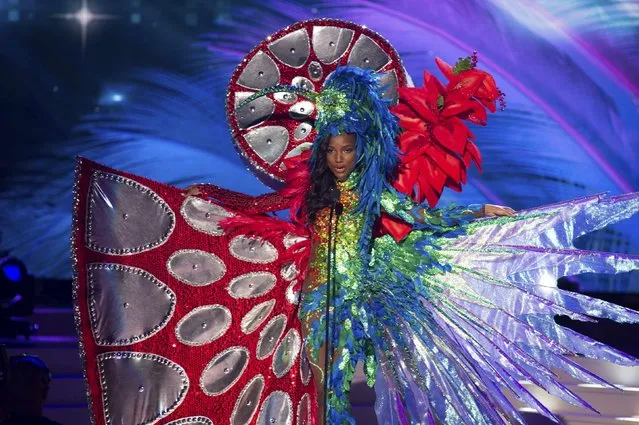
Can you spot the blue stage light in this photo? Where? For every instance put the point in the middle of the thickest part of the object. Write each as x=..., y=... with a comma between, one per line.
x=13, y=272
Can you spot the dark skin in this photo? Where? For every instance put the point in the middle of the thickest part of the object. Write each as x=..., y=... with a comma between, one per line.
x=341, y=159
x=340, y=155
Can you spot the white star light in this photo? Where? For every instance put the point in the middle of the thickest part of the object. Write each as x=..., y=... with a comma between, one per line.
x=84, y=16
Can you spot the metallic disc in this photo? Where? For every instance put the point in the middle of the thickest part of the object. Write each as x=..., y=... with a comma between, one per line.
x=203, y=215
x=291, y=239
x=292, y=295
x=389, y=80
x=203, y=325
x=286, y=353
x=285, y=98
x=195, y=267
x=315, y=70
x=367, y=53
x=139, y=388
x=247, y=402
x=119, y=297
x=277, y=408
x=124, y=217
x=260, y=73
x=251, y=285
x=301, y=110
x=256, y=316
x=268, y=142
x=292, y=49
x=254, y=112
x=253, y=250
x=330, y=43
x=270, y=335
x=302, y=131
x=224, y=370
x=288, y=49
x=303, y=82
x=289, y=271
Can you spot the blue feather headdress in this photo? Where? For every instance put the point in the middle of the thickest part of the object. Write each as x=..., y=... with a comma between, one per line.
x=351, y=102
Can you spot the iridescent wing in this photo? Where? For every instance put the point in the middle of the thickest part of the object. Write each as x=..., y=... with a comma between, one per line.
x=278, y=126
x=180, y=322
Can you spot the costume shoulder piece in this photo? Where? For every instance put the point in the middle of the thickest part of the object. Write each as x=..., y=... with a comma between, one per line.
x=279, y=125
x=180, y=321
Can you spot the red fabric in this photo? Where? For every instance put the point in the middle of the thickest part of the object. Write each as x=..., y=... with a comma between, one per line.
x=165, y=343
x=267, y=202
x=437, y=144
x=389, y=225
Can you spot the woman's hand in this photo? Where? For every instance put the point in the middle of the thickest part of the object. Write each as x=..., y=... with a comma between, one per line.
x=193, y=190
x=489, y=210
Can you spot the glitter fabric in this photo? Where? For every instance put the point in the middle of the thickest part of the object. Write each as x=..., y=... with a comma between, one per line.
x=445, y=320
x=460, y=308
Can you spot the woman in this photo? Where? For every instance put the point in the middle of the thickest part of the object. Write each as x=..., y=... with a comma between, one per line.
x=336, y=163
x=445, y=308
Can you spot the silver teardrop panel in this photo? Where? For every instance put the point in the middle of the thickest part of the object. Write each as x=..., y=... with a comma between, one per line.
x=305, y=368
x=269, y=336
x=247, y=402
x=195, y=267
x=138, y=219
x=301, y=132
x=203, y=215
x=292, y=49
x=203, y=324
x=224, y=370
x=261, y=72
x=366, y=53
x=301, y=110
x=192, y=420
x=330, y=43
x=286, y=353
x=277, y=408
x=389, y=80
x=289, y=271
x=256, y=316
x=268, y=142
x=285, y=97
x=253, y=113
x=292, y=295
x=290, y=239
x=119, y=297
x=304, y=410
x=303, y=82
x=253, y=250
x=299, y=148
x=139, y=388
x=315, y=70
x=251, y=285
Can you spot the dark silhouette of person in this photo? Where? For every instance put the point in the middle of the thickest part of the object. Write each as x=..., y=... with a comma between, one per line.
x=28, y=387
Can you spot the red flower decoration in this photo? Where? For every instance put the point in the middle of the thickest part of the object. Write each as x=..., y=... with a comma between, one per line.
x=436, y=143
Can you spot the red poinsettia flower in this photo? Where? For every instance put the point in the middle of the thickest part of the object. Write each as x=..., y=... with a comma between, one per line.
x=436, y=143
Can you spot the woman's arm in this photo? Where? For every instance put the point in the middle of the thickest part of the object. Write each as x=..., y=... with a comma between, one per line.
x=267, y=202
x=439, y=220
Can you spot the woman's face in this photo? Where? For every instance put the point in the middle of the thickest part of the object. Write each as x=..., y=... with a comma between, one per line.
x=340, y=155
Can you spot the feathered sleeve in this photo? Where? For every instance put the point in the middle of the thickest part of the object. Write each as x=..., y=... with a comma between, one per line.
x=445, y=221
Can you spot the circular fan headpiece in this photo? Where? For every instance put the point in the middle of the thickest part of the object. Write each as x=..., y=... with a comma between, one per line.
x=280, y=125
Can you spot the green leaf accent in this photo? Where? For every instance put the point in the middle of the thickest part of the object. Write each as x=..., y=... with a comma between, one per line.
x=463, y=64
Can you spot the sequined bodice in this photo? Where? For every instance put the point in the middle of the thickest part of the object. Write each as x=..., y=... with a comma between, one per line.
x=346, y=231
